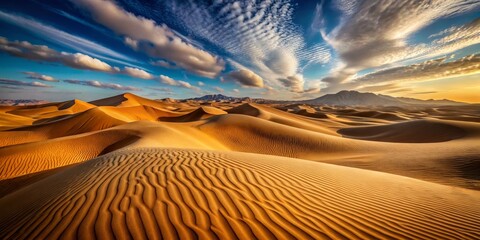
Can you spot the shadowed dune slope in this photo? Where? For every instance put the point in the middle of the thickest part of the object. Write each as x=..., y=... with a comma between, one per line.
x=420, y=131
x=191, y=194
x=198, y=114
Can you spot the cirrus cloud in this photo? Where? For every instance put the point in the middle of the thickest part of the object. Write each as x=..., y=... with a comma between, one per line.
x=98, y=84
x=10, y=82
x=37, y=76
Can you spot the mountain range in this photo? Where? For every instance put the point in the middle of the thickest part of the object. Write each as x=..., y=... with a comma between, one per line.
x=342, y=98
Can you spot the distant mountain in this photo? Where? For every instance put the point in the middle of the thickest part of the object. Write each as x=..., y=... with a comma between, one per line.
x=21, y=102
x=220, y=97
x=354, y=98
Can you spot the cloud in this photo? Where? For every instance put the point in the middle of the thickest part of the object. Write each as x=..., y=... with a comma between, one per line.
x=236, y=90
x=178, y=83
x=65, y=39
x=376, y=33
x=426, y=92
x=295, y=83
x=200, y=83
x=165, y=64
x=245, y=77
x=156, y=40
x=425, y=71
x=219, y=89
x=137, y=73
x=43, y=53
x=161, y=89
x=97, y=84
x=260, y=36
x=4, y=81
x=37, y=76
x=29, y=51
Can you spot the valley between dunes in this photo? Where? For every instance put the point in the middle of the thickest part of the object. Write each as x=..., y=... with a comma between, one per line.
x=129, y=167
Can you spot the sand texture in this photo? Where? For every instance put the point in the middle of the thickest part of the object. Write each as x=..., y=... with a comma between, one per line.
x=128, y=167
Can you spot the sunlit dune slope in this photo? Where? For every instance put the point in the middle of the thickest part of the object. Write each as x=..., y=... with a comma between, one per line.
x=90, y=120
x=189, y=194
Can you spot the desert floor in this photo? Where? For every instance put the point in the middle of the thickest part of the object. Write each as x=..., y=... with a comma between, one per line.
x=128, y=167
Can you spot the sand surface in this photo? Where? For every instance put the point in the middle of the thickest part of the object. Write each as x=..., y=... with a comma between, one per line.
x=130, y=167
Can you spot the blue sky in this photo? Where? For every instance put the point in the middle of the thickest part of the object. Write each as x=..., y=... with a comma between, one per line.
x=89, y=49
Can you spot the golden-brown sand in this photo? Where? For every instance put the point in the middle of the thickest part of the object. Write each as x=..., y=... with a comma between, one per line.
x=129, y=167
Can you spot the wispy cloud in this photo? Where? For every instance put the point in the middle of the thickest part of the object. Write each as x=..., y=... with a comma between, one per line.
x=30, y=51
x=66, y=39
x=375, y=33
x=98, y=84
x=43, y=53
x=219, y=89
x=261, y=35
x=156, y=40
x=178, y=83
x=4, y=81
x=38, y=76
x=428, y=70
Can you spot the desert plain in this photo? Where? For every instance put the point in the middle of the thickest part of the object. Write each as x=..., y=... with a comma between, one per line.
x=130, y=167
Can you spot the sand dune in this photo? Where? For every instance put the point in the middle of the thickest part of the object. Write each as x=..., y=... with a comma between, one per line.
x=184, y=194
x=198, y=114
x=419, y=131
x=88, y=121
x=131, y=167
x=279, y=116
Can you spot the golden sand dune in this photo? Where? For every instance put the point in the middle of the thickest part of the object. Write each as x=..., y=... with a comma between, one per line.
x=131, y=167
x=279, y=116
x=189, y=194
x=23, y=159
x=90, y=120
x=198, y=114
x=419, y=131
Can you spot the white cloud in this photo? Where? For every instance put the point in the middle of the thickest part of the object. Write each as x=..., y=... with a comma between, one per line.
x=219, y=89
x=260, y=36
x=428, y=70
x=245, y=77
x=178, y=83
x=376, y=33
x=65, y=39
x=37, y=76
x=137, y=73
x=4, y=81
x=156, y=40
x=200, y=83
x=43, y=53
